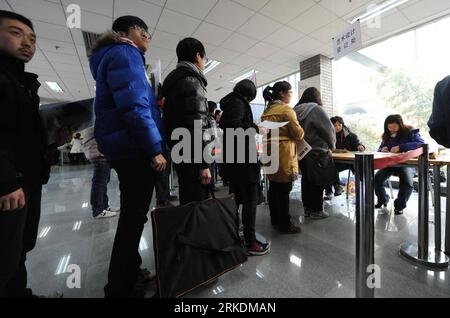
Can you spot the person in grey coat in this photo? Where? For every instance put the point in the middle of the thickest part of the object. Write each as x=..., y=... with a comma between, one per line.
x=321, y=135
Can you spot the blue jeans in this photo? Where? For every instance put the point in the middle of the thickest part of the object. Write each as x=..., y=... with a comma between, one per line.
x=213, y=175
x=406, y=187
x=99, y=189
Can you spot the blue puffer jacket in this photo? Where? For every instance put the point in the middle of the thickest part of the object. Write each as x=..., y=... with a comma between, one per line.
x=128, y=122
x=411, y=142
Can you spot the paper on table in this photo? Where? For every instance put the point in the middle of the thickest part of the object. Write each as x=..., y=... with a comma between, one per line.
x=272, y=125
x=303, y=148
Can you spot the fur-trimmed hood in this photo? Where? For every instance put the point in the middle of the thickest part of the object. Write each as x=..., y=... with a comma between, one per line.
x=105, y=39
x=103, y=45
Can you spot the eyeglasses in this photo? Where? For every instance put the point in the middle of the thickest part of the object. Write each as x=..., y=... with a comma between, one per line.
x=144, y=33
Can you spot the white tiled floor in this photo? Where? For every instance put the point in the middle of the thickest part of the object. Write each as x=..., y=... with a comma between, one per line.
x=319, y=262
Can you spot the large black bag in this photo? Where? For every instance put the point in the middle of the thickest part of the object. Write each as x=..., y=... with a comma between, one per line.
x=321, y=170
x=194, y=244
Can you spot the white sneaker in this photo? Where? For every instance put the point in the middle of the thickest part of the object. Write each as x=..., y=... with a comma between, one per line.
x=110, y=209
x=106, y=214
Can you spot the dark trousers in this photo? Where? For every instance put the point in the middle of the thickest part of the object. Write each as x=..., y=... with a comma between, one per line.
x=190, y=187
x=136, y=183
x=406, y=176
x=76, y=158
x=213, y=168
x=247, y=194
x=312, y=194
x=339, y=168
x=99, y=189
x=18, y=235
x=162, y=185
x=279, y=198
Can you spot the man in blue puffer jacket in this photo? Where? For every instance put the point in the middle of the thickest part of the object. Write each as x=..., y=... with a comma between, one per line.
x=128, y=130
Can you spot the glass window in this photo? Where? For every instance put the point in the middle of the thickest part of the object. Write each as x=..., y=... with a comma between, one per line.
x=396, y=76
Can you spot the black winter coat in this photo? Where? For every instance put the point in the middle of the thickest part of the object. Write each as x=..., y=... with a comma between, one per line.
x=238, y=114
x=23, y=142
x=347, y=140
x=439, y=122
x=184, y=91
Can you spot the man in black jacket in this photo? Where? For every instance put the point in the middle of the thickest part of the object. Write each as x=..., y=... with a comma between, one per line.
x=439, y=122
x=185, y=107
x=23, y=166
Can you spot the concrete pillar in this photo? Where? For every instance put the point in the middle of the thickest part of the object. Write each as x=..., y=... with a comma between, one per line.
x=317, y=72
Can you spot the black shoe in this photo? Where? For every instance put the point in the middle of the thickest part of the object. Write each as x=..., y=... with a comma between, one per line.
x=290, y=229
x=381, y=205
x=319, y=215
x=173, y=198
x=144, y=278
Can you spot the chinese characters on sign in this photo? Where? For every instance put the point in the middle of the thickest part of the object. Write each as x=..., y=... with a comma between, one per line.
x=347, y=41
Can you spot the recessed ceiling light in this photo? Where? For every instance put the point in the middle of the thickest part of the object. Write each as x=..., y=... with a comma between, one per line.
x=247, y=75
x=54, y=87
x=378, y=10
x=210, y=66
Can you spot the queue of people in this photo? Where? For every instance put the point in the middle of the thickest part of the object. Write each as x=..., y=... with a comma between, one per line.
x=132, y=136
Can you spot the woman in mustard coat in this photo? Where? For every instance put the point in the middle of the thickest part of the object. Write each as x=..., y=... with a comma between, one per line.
x=278, y=98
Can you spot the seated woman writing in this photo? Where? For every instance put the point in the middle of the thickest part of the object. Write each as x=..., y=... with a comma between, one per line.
x=397, y=138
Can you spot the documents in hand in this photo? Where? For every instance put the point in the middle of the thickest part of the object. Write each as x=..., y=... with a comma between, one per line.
x=303, y=148
x=272, y=125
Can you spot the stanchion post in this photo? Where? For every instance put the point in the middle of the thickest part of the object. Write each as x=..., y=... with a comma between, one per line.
x=420, y=253
x=171, y=176
x=447, y=213
x=437, y=207
x=266, y=189
x=423, y=204
x=365, y=227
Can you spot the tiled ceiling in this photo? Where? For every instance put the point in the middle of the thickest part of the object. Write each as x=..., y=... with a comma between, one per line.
x=272, y=36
